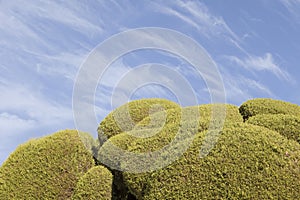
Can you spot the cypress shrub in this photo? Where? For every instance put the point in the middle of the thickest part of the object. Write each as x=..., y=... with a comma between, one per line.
x=267, y=106
x=248, y=162
x=127, y=116
x=95, y=184
x=286, y=125
x=45, y=168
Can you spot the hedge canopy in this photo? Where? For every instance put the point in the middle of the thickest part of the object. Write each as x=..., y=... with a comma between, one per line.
x=128, y=115
x=248, y=162
x=287, y=125
x=160, y=128
x=268, y=106
x=45, y=168
x=96, y=184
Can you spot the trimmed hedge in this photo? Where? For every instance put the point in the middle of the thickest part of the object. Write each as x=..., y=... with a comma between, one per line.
x=186, y=117
x=248, y=162
x=161, y=128
x=259, y=159
x=45, y=168
x=96, y=184
x=268, y=106
x=231, y=112
x=111, y=157
x=119, y=121
x=287, y=125
x=157, y=131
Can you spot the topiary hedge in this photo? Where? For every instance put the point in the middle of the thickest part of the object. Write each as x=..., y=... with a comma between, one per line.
x=127, y=116
x=210, y=112
x=156, y=132
x=163, y=144
x=267, y=106
x=248, y=162
x=138, y=110
x=160, y=128
x=110, y=155
x=287, y=125
x=96, y=184
x=186, y=116
x=45, y=168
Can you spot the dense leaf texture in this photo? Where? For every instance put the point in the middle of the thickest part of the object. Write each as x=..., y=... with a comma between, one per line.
x=248, y=162
x=268, y=106
x=96, y=184
x=287, y=125
x=127, y=116
x=46, y=168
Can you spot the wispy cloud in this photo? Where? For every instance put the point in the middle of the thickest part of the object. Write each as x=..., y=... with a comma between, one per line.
x=37, y=11
x=240, y=88
x=262, y=63
x=26, y=113
x=293, y=6
x=46, y=37
x=32, y=105
x=197, y=15
x=64, y=64
x=12, y=124
x=121, y=82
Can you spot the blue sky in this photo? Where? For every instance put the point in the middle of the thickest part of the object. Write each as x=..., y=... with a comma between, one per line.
x=255, y=45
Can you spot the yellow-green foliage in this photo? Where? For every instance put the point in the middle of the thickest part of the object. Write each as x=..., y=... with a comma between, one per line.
x=202, y=113
x=211, y=112
x=268, y=106
x=96, y=184
x=287, y=125
x=45, y=168
x=159, y=129
x=127, y=116
x=248, y=162
x=156, y=132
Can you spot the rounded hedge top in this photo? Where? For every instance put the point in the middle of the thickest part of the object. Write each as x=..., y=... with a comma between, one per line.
x=156, y=132
x=161, y=128
x=96, y=184
x=127, y=116
x=248, y=162
x=202, y=113
x=208, y=112
x=287, y=125
x=268, y=106
x=45, y=168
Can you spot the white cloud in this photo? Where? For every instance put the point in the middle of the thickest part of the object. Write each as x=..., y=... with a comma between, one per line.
x=257, y=87
x=262, y=63
x=293, y=6
x=11, y=124
x=13, y=131
x=57, y=12
x=38, y=36
x=25, y=113
x=19, y=99
x=239, y=88
x=64, y=64
x=197, y=15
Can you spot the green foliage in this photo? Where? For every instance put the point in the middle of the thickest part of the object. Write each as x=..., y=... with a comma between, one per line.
x=96, y=184
x=214, y=113
x=127, y=116
x=248, y=162
x=156, y=132
x=268, y=106
x=287, y=125
x=45, y=168
x=159, y=129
